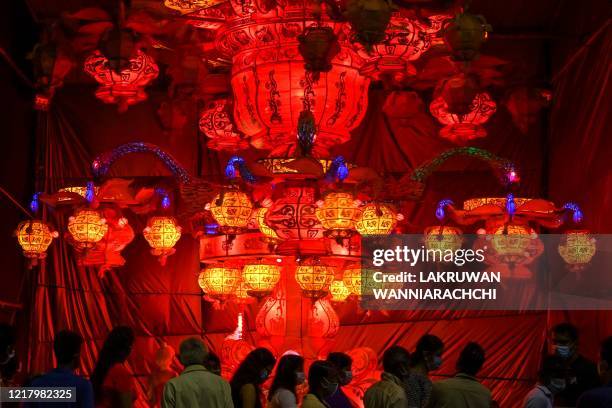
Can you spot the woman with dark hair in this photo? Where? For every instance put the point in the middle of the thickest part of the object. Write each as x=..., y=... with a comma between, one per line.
x=247, y=380
x=113, y=384
x=322, y=383
x=289, y=374
x=427, y=357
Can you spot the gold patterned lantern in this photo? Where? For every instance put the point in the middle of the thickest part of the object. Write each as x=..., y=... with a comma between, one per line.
x=232, y=210
x=356, y=281
x=375, y=219
x=443, y=238
x=241, y=294
x=162, y=233
x=339, y=292
x=34, y=237
x=512, y=242
x=260, y=216
x=314, y=278
x=87, y=227
x=577, y=248
x=338, y=212
x=261, y=278
x=220, y=280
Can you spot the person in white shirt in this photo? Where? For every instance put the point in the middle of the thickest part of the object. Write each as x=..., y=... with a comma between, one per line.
x=551, y=381
x=289, y=374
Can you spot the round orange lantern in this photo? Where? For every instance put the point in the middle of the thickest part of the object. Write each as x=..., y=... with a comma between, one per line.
x=338, y=291
x=512, y=242
x=232, y=210
x=375, y=219
x=162, y=233
x=458, y=127
x=261, y=278
x=87, y=227
x=34, y=237
x=314, y=278
x=443, y=238
x=219, y=280
x=216, y=124
x=577, y=248
x=337, y=213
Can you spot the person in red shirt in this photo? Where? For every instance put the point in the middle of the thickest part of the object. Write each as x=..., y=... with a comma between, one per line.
x=113, y=384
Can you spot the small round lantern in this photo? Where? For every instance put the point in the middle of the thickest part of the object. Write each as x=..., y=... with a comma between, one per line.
x=337, y=213
x=577, y=248
x=261, y=278
x=232, y=210
x=338, y=291
x=314, y=278
x=443, y=238
x=162, y=233
x=356, y=281
x=219, y=281
x=375, y=219
x=34, y=237
x=512, y=243
x=87, y=227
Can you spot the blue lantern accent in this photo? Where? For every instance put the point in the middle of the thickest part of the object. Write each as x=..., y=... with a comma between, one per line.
x=510, y=204
x=34, y=204
x=165, y=198
x=577, y=214
x=441, y=209
x=337, y=170
x=245, y=173
x=90, y=193
x=211, y=229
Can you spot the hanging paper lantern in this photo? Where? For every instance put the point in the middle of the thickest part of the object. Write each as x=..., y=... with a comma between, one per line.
x=260, y=215
x=261, y=277
x=232, y=210
x=219, y=280
x=314, y=278
x=216, y=124
x=322, y=321
x=443, y=238
x=318, y=46
x=358, y=282
x=460, y=128
x=87, y=227
x=512, y=242
x=375, y=219
x=465, y=34
x=162, y=233
x=577, y=248
x=189, y=6
x=337, y=213
x=338, y=291
x=125, y=87
x=34, y=237
x=458, y=92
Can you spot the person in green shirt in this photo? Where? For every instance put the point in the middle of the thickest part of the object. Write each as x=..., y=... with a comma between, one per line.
x=389, y=391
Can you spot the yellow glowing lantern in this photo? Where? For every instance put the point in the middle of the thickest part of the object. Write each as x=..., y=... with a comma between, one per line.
x=87, y=227
x=337, y=213
x=232, y=210
x=512, y=243
x=314, y=278
x=339, y=292
x=34, y=237
x=443, y=238
x=261, y=278
x=220, y=280
x=162, y=233
x=577, y=248
x=357, y=281
x=376, y=219
x=260, y=216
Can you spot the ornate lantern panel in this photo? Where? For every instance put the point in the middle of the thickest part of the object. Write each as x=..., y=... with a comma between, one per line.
x=260, y=216
x=314, y=278
x=443, y=238
x=460, y=128
x=577, y=249
x=188, y=6
x=376, y=219
x=219, y=280
x=356, y=281
x=216, y=124
x=162, y=233
x=87, y=227
x=261, y=277
x=34, y=237
x=338, y=291
x=126, y=87
x=337, y=213
x=512, y=243
x=232, y=210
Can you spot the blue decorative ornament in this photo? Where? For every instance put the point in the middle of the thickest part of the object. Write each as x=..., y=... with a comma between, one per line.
x=34, y=204
x=90, y=193
x=441, y=209
x=245, y=173
x=577, y=214
x=211, y=229
x=338, y=170
x=510, y=204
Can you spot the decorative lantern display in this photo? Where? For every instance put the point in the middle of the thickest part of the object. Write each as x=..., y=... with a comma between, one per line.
x=232, y=209
x=271, y=319
x=219, y=281
x=261, y=278
x=323, y=322
x=357, y=281
x=443, y=238
x=460, y=128
x=375, y=219
x=458, y=92
x=337, y=213
x=513, y=243
x=465, y=34
x=216, y=124
x=124, y=88
x=314, y=277
x=34, y=237
x=338, y=291
x=577, y=248
x=188, y=6
x=162, y=233
x=260, y=215
x=241, y=294
x=368, y=19
x=87, y=227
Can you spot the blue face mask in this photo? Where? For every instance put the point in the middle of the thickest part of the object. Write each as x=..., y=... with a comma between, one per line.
x=563, y=351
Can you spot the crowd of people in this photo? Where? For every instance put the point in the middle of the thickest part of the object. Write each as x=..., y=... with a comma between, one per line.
x=566, y=378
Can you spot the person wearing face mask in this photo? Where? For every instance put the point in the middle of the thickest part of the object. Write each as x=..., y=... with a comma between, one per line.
x=322, y=382
x=249, y=376
x=343, y=364
x=427, y=357
x=601, y=397
x=289, y=374
x=463, y=390
x=551, y=382
x=389, y=391
x=581, y=373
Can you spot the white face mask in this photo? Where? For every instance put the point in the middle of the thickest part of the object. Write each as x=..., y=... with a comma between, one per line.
x=300, y=377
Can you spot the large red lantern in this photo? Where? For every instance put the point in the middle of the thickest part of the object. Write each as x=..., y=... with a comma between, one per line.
x=126, y=87
x=460, y=128
x=216, y=124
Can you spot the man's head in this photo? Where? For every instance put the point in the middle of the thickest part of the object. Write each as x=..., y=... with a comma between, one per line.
x=192, y=351
x=67, y=348
x=322, y=379
x=471, y=359
x=343, y=364
x=396, y=361
x=565, y=340
x=428, y=352
x=605, y=359
x=552, y=373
